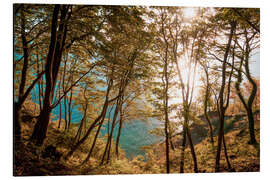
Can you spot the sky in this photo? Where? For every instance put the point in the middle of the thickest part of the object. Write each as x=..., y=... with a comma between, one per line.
x=255, y=65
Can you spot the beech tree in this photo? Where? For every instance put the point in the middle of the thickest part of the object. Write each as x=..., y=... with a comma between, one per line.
x=113, y=66
x=250, y=43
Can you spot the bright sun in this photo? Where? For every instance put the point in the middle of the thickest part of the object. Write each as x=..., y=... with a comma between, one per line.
x=190, y=12
x=176, y=91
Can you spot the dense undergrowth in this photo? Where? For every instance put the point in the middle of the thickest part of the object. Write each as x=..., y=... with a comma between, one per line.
x=29, y=159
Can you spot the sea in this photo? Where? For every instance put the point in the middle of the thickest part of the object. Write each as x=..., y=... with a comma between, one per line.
x=135, y=134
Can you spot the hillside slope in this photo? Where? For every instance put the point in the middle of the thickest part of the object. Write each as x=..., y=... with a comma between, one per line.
x=29, y=160
x=243, y=156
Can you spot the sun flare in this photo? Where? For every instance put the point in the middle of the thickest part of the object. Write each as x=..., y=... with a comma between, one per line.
x=190, y=12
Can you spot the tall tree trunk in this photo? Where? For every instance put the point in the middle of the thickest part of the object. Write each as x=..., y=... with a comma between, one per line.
x=195, y=164
x=248, y=105
x=251, y=126
x=92, y=126
x=66, y=112
x=94, y=142
x=60, y=113
x=221, y=99
x=60, y=106
x=165, y=100
x=64, y=89
x=39, y=87
x=69, y=109
x=78, y=135
x=171, y=143
x=251, y=97
x=206, y=98
x=119, y=130
x=183, y=147
x=123, y=84
x=18, y=105
x=58, y=35
x=226, y=154
x=166, y=130
x=108, y=144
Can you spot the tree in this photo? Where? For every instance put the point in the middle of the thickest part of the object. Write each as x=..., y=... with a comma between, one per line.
x=24, y=32
x=248, y=46
x=221, y=107
x=187, y=40
x=57, y=43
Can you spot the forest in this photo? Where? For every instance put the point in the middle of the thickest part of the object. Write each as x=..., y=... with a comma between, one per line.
x=102, y=89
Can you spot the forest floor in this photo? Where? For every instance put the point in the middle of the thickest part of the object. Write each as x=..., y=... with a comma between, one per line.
x=29, y=160
x=243, y=156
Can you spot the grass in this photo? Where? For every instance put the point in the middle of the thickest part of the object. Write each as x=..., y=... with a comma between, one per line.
x=29, y=160
x=243, y=156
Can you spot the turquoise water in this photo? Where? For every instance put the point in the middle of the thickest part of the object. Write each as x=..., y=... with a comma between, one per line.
x=134, y=135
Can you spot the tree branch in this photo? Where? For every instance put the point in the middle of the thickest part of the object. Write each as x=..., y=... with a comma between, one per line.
x=65, y=93
x=245, y=19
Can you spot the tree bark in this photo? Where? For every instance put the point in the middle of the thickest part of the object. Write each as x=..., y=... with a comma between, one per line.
x=94, y=142
x=251, y=97
x=247, y=105
x=226, y=154
x=69, y=109
x=39, y=87
x=165, y=100
x=18, y=106
x=108, y=144
x=119, y=130
x=60, y=113
x=221, y=99
x=206, y=107
x=58, y=35
x=183, y=147
x=79, y=132
x=195, y=164
x=92, y=126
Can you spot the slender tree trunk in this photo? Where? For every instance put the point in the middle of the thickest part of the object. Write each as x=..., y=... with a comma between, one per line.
x=39, y=87
x=119, y=130
x=251, y=97
x=69, y=109
x=78, y=135
x=251, y=127
x=108, y=144
x=221, y=99
x=171, y=143
x=18, y=106
x=60, y=113
x=60, y=108
x=195, y=164
x=167, y=137
x=42, y=85
x=226, y=154
x=94, y=142
x=66, y=117
x=165, y=101
x=206, y=107
x=220, y=134
x=248, y=105
x=65, y=98
x=183, y=147
x=92, y=126
x=58, y=35
x=123, y=84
